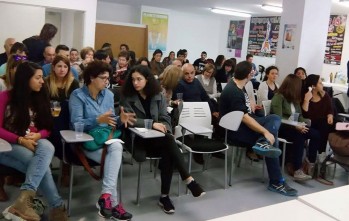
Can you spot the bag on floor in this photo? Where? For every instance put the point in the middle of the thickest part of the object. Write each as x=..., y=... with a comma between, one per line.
x=339, y=142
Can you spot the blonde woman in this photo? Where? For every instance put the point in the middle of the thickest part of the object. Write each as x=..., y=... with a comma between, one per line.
x=61, y=83
x=169, y=80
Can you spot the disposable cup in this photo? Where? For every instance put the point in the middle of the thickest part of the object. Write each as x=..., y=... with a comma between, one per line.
x=79, y=129
x=179, y=96
x=148, y=124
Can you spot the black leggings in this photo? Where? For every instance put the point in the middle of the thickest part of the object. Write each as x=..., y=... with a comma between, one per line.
x=171, y=157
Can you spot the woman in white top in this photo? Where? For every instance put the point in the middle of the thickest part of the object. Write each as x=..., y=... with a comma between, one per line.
x=208, y=81
x=269, y=86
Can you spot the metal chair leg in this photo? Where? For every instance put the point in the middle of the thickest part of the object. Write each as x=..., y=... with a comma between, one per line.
x=139, y=183
x=151, y=165
x=70, y=187
x=233, y=149
x=283, y=158
x=225, y=168
x=189, y=169
x=263, y=169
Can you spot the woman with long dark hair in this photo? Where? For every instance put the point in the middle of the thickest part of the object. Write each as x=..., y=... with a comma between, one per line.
x=37, y=44
x=25, y=122
x=142, y=96
x=286, y=103
x=268, y=87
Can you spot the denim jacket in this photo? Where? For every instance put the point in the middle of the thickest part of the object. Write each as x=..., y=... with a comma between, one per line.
x=83, y=108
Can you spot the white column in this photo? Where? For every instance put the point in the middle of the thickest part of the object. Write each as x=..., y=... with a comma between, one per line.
x=311, y=18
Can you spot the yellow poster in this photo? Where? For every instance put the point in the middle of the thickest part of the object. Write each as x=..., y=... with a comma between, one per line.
x=157, y=30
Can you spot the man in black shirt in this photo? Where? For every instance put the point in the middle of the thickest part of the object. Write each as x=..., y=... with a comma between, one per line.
x=199, y=63
x=259, y=132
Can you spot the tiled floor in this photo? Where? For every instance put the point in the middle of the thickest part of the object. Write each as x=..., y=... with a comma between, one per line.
x=247, y=192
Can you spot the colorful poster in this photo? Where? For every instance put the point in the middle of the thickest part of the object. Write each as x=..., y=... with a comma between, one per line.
x=157, y=30
x=263, y=36
x=288, y=41
x=235, y=34
x=335, y=39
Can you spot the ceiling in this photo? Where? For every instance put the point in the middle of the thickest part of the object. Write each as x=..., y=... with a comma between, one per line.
x=203, y=6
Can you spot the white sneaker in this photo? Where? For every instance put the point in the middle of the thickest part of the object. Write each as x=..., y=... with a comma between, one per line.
x=299, y=175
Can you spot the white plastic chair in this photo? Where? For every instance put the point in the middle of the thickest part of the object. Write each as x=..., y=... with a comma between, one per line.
x=195, y=119
x=231, y=121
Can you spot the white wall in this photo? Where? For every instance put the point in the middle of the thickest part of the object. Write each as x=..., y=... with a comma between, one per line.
x=117, y=12
x=15, y=22
x=88, y=7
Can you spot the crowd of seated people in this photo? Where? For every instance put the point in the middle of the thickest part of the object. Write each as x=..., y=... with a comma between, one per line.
x=37, y=75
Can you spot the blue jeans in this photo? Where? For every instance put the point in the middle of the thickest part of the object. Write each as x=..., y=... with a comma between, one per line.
x=36, y=167
x=246, y=135
x=112, y=164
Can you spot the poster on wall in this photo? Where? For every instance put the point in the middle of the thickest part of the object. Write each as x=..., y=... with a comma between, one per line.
x=335, y=38
x=289, y=36
x=235, y=34
x=263, y=36
x=157, y=30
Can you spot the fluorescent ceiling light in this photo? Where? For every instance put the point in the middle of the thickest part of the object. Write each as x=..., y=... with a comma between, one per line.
x=230, y=12
x=272, y=8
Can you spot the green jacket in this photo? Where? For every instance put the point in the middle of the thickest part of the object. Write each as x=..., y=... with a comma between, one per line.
x=280, y=106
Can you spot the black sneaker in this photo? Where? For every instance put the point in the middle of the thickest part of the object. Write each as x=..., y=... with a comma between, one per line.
x=119, y=213
x=195, y=189
x=283, y=189
x=166, y=204
x=264, y=148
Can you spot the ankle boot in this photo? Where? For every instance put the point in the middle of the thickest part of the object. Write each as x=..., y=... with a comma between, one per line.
x=23, y=206
x=58, y=214
x=3, y=195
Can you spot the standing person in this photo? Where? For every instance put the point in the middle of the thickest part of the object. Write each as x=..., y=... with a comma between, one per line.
x=36, y=44
x=268, y=87
x=259, y=132
x=7, y=46
x=25, y=122
x=285, y=103
x=199, y=63
x=156, y=66
x=142, y=96
x=93, y=104
x=249, y=58
x=168, y=60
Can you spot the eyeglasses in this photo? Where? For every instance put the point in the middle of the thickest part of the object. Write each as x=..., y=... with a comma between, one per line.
x=19, y=57
x=104, y=78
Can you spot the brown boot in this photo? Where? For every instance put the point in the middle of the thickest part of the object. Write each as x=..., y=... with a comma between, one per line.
x=58, y=214
x=3, y=195
x=23, y=206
